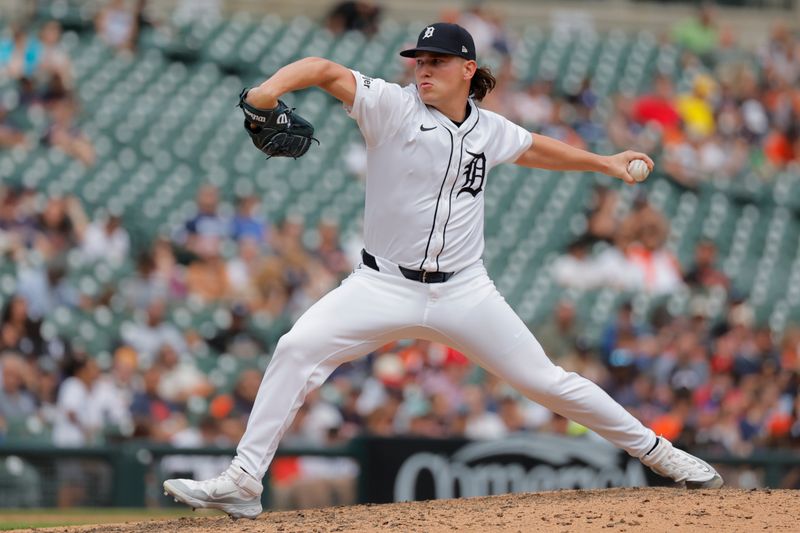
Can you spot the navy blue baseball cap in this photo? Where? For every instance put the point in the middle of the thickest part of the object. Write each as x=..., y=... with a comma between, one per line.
x=444, y=38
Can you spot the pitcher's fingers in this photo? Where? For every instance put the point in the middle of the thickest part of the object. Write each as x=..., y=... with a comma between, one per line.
x=646, y=159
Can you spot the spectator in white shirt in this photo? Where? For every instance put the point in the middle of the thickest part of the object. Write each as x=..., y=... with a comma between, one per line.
x=243, y=269
x=106, y=239
x=481, y=424
x=180, y=380
x=577, y=269
x=148, y=336
x=55, y=69
x=116, y=26
x=79, y=420
x=114, y=392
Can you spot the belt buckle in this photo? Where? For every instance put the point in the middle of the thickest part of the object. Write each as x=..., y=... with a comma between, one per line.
x=424, y=274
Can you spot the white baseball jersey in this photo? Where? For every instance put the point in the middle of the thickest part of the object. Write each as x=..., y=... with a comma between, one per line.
x=424, y=210
x=426, y=176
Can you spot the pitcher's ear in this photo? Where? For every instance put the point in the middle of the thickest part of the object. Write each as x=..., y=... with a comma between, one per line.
x=470, y=68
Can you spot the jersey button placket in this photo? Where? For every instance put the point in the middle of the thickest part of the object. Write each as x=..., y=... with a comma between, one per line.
x=441, y=217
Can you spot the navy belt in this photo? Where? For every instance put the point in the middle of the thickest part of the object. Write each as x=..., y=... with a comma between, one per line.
x=422, y=276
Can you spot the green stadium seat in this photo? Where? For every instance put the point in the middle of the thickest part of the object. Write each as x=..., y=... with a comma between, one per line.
x=161, y=128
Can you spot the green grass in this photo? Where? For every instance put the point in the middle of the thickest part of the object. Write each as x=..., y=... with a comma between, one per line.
x=35, y=518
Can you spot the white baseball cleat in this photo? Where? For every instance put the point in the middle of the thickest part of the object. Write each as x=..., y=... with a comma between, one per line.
x=234, y=491
x=668, y=461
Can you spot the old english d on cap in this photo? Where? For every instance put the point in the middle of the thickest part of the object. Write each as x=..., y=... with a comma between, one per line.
x=444, y=38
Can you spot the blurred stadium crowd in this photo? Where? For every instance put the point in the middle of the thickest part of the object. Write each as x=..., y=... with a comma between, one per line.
x=728, y=382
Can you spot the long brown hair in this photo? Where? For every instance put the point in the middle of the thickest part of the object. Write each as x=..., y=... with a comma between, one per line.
x=482, y=83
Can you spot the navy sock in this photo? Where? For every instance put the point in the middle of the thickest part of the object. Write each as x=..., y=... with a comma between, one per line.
x=654, y=446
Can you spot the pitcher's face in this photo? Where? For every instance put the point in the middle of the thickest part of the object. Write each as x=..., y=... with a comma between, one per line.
x=440, y=77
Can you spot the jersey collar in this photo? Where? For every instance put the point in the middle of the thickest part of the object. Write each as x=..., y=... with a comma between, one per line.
x=446, y=122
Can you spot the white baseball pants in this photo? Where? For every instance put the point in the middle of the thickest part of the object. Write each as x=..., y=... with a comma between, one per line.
x=371, y=308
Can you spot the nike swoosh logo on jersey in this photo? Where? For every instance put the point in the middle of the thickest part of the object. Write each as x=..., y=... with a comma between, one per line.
x=423, y=128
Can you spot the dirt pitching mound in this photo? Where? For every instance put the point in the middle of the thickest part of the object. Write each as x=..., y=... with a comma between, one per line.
x=644, y=509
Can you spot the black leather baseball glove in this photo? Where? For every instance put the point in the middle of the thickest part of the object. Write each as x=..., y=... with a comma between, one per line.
x=278, y=132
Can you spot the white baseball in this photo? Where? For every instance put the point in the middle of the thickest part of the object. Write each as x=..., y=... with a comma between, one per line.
x=637, y=168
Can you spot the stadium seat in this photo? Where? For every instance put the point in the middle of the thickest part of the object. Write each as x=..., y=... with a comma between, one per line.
x=161, y=128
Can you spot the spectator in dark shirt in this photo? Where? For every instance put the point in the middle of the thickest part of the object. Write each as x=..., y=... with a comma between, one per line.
x=18, y=331
x=361, y=15
x=248, y=222
x=63, y=133
x=704, y=274
x=757, y=354
x=330, y=251
x=621, y=335
x=236, y=339
x=207, y=224
x=244, y=395
x=148, y=409
x=59, y=226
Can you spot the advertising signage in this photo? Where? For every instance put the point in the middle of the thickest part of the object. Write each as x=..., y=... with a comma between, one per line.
x=421, y=469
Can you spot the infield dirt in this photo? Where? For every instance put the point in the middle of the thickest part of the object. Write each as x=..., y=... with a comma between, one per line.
x=634, y=509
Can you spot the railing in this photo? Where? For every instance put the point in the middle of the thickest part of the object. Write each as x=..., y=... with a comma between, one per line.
x=131, y=464
x=130, y=474
x=775, y=463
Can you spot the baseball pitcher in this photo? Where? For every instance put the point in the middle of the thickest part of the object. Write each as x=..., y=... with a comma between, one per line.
x=430, y=152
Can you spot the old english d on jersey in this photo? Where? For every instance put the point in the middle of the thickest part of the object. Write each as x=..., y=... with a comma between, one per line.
x=426, y=176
